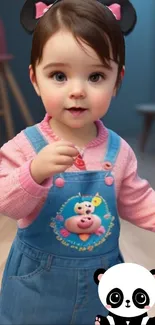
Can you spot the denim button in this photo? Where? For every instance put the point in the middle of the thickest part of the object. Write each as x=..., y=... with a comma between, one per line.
x=107, y=165
x=59, y=182
x=109, y=180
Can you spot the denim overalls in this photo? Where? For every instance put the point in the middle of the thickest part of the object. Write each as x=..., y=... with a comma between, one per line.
x=48, y=278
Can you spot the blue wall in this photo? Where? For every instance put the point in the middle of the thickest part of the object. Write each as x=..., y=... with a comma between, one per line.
x=139, y=82
x=19, y=44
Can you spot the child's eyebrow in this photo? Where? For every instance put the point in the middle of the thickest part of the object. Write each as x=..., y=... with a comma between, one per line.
x=100, y=66
x=55, y=64
x=60, y=64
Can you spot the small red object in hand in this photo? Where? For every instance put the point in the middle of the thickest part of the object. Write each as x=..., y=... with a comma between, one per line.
x=79, y=162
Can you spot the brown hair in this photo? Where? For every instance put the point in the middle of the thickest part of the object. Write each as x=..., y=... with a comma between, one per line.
x=90, y=22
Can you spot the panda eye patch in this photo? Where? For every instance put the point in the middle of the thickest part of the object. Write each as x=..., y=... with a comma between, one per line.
x=115, y=298
x=140, y=298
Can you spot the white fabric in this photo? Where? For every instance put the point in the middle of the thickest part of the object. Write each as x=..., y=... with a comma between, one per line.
x=145, y=320
x=111, y=320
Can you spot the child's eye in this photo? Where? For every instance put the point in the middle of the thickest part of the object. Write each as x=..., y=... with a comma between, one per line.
x=95, y=77
x=58, y=76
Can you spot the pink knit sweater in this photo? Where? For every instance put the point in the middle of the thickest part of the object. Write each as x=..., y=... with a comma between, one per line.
x=21, y=198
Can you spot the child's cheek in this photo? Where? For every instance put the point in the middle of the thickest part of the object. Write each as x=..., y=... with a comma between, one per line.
x=52, y=102
x=102, y=101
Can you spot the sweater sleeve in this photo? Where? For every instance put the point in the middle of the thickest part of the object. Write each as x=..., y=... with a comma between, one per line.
x=19, y=194
x=136, y=198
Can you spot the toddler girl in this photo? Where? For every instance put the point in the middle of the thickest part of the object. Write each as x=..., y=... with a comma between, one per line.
x=67, y=179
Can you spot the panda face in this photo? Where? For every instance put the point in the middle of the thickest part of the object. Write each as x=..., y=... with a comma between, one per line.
x=140, y=298
x=127, y=289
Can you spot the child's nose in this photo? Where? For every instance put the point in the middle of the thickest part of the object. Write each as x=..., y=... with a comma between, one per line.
x=77, y=91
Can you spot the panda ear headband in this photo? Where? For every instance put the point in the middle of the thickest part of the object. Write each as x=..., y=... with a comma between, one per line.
x=123, y=11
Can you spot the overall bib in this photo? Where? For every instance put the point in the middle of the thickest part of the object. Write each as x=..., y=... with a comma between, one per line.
x=48, y=278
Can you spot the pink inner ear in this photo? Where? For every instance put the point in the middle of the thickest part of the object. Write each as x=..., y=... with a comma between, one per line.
x=99, y=277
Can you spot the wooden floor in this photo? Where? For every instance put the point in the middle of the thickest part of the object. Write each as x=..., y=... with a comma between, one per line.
x=137, y=245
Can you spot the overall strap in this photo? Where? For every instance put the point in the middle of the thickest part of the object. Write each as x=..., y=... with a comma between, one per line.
x=113, y=147
x=35, y=138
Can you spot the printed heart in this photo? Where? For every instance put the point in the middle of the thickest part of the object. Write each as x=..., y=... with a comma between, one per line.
x=107, y=216
x=84, y=237
x=109, y=180
x=59, y=217
x=79, y=163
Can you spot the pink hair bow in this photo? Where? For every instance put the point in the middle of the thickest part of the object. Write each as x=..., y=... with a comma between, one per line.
x=41, y=8
x=116, y=10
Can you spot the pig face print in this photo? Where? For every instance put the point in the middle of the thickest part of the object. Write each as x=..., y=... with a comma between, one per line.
x=84, y=220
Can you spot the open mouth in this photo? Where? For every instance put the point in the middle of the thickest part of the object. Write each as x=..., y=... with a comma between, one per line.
x=88, y=211
x=76, y=111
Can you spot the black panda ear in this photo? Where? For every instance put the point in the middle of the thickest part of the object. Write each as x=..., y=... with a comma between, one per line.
x=153, y=272
x=97, y=275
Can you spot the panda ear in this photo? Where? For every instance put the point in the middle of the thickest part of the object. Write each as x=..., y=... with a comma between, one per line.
x=98, y=275
x=153, y=272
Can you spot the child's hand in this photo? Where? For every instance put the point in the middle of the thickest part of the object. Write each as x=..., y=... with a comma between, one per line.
x=54, y=158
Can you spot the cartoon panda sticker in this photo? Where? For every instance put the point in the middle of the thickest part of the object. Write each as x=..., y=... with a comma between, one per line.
x=127, y=291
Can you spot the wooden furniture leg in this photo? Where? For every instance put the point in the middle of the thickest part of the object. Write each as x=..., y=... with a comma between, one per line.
x=148, y=121
x=5, y=106
x=18, y=95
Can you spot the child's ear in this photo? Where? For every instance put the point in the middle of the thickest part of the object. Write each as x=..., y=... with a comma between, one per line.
x=33, y=80
x=115, y=91
x=122, y=73
x=121, y=76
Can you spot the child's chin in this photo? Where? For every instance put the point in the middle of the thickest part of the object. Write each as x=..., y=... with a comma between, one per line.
x=76, y=124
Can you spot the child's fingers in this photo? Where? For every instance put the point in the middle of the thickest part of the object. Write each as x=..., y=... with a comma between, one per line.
x=65, y=160
x=64, y=143
x=67, y=151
